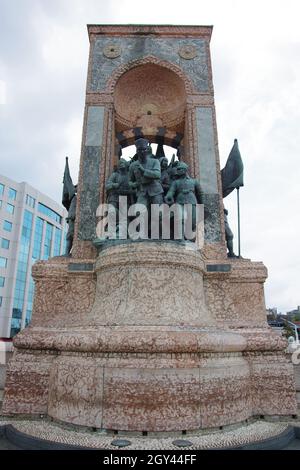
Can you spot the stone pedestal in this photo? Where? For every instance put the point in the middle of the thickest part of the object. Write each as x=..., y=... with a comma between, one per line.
x=152, y=337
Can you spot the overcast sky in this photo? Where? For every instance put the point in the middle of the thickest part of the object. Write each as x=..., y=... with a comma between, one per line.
x=256, y=64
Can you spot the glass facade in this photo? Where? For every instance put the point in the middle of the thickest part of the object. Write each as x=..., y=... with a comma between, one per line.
x=7, y=226
x=5, y=243
x=57, y=242
x=3, y=262
x=48, y=241
x=21, y=273
x=49, y=213
x=29, y=302
x=36, y=254
x=40, y=239
x=10, y=208
x=30, y=201
x=1, y=189
x=12, y=194
x=37, y=243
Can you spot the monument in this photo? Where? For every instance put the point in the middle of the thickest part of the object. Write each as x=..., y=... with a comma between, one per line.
x=149, y=335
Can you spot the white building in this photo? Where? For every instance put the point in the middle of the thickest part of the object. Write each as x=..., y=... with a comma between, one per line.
x=32, y=227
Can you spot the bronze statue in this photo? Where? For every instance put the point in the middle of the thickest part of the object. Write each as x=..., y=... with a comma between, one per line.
x=69, y=201
x=172, y=169
x=71, y=222
x=118, y=185
x=145, y=174
x=165, y=176
x=185, y=190
x=228, y=236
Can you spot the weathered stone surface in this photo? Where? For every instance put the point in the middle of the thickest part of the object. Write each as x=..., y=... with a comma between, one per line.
x=75, y=392
x=225, y=391
x=138, y=47
x=162, y=399
x=237, y=297
x=27, y=384
x=89, y=196
x=273, y=386
x=62, y=297
x=212, y=226
x=149, y=284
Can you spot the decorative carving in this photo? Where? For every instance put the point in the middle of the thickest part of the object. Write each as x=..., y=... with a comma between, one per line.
x=188, y=52
x=112, y=51
x=189, y=87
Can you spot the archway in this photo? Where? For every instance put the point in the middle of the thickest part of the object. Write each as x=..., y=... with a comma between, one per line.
x=150, y=102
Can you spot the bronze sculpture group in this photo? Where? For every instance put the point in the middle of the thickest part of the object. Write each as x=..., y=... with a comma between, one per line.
x=148, y=180
x=145, y=180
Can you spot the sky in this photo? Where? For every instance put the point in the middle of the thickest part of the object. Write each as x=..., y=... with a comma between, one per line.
x=255, y=51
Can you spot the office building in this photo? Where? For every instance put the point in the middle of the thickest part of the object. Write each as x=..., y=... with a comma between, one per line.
x=32, y=227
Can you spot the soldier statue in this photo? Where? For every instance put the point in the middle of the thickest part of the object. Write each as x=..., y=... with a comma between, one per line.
x=145, y=174
x=185, y=190
x=118, y=185
x=228, y=236
x=69, y=201
x=165, y=176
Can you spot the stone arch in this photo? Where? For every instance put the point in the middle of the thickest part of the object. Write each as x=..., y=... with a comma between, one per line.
x=116, y=75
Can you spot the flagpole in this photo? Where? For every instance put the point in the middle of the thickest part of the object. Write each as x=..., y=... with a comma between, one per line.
x=239, y=227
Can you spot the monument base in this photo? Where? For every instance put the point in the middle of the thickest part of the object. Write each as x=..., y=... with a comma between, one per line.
x=153, y=337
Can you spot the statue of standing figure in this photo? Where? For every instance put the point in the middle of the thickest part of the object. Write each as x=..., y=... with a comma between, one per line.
x=228, y=236
x=165, y=176
x=118, y=185
x=145, y=174
x=69, y=201
x=185, y=190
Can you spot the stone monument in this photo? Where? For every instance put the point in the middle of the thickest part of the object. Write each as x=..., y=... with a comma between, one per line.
x=149, y=336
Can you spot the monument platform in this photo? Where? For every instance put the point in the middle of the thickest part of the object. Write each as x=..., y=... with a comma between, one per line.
x=149, y=338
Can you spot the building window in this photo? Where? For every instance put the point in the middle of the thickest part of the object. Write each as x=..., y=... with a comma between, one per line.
x=0, y=300
x=3, y=262
x=48, y=240
x=23, y=266
x=57, y=242
x=5, y=243
x=7, y=226
x=1, y=189
x=12, y=194
x=38, y=235
x=49, y=212
x=2, y=281
x=0, y=203
x=30, y=201
x=10, y=208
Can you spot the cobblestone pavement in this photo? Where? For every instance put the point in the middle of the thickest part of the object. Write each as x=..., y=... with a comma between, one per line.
x=244, y=434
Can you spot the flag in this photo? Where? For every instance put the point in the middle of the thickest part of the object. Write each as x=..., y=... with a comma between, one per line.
x=68, y=188
x=233, y=172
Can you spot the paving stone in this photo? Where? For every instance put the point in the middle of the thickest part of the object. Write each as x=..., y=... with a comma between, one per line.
x=245, y=434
